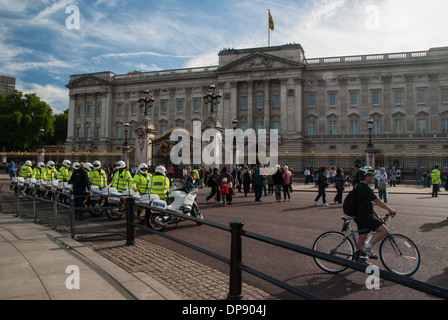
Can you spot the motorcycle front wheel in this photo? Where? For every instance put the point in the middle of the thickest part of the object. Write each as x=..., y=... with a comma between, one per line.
x=155, y=220
x=195, y=212
x=115, y=212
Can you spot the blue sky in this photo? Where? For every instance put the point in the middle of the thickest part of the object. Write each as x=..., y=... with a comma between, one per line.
x=41, y=52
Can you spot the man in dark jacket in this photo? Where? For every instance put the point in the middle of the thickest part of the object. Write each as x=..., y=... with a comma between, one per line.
x=81, y=187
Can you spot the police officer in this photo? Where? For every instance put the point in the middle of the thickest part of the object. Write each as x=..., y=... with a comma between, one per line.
x=50, y=171
x=81, y=187
x=436, y=181
x=63, y=173
x=160, y=184
x=142, y=179
x=122, y=178
x=97, y=176
x=26, y=171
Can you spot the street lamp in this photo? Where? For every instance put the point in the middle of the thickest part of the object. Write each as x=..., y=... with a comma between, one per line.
x=212, y=96
x=370, y=127
x=126, y=127
x=235, y=126
x=42, y=133
x=146, y=100
x=125, y=144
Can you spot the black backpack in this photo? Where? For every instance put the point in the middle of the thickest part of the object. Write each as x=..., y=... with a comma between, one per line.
x=349, y=205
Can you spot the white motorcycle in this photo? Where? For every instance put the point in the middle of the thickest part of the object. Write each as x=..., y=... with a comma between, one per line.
x=116, y=203
x=182, y=200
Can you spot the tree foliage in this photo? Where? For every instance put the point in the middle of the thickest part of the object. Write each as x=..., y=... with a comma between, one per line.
x=21, y=118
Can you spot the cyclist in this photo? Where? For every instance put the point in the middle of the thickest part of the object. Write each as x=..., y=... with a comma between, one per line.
x=367, y=217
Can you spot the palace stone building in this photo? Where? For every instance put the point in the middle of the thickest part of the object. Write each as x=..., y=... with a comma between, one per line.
x=320, y=106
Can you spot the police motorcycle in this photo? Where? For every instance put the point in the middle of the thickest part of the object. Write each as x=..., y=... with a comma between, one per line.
x=116, y=201
x=181, y=200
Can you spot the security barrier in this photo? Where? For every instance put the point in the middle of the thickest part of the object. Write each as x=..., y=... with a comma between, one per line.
x=53, y=212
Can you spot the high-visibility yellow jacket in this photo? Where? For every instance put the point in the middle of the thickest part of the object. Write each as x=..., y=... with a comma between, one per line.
x=435, y=176
x=26, y=172
x=63, y=174
x=160, y=185
x=39, y=173
x=51, y=174
x=142, y=182
x=98, y=178
x=122, y=180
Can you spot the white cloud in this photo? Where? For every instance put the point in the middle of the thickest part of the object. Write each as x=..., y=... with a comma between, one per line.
x=56, y=97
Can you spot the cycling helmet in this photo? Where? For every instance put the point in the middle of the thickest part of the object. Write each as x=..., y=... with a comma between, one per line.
x=88, y=166
x=143, y=168
x=28, y=163
x=161, y=170
x=41, y=165
x=366, y=170
x=66, y=163
x=50, y=164
x=120, y=165
x=76, y=165
x=97, y=164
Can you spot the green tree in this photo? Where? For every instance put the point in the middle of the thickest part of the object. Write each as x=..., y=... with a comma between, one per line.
x=60, y=129
x=21, y=118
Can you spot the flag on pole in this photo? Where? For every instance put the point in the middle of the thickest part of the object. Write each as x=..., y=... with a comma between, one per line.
x=271, y=21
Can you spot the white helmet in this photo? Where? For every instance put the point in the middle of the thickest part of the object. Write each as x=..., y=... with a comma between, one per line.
x=366, y=170
x=41, y=165
x=88, y=166
x=76, y=165
x=120, y=165
x=161, y=170
x=50, y=164
x=97, y=164
x=28, y=163
x=66, y=163
x=143, y=168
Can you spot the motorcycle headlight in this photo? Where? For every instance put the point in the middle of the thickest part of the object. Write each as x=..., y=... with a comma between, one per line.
x=186, y=209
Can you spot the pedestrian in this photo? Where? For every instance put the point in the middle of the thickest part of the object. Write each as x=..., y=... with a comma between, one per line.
x=286, y=183
x=307, y=175
x=12, y=169
x=435, y=180
x=225, y=174
x=81, y=187
x=257, y=179
x=247, y=180
x=211, y=182
x=322, y=184
x=382, y=185
x=224, y=191
x=392, y=177
x=339, y=182
x=270, y=182
x=277, y=178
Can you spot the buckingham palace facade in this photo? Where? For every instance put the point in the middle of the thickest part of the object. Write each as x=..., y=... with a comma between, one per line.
x=320, y=106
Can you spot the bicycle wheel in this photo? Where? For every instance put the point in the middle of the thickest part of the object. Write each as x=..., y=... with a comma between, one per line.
x=399, y=255
x=335, y=244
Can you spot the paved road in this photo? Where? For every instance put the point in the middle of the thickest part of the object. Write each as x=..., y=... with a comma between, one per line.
x=420, y=217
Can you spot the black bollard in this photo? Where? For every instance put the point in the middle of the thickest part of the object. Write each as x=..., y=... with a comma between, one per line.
x=235, y=286
x=130, y=220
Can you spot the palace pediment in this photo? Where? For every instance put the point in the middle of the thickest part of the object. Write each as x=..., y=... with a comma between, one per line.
x=258, y=61
x=86, y=81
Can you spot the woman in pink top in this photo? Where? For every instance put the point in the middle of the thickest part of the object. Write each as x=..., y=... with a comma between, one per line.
x=286, y=183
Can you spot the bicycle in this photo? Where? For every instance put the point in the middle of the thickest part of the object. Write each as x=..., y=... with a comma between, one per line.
x=398, y=253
